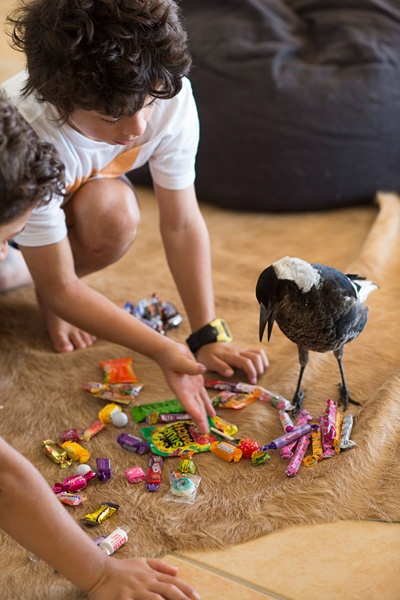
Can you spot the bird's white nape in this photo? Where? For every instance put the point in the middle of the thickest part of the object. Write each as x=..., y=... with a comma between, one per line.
x=299, y=271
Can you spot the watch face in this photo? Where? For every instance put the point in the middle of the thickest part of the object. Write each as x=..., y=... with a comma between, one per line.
x=222, y=332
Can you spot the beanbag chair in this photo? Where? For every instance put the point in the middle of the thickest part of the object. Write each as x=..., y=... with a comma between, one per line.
x=299, y=101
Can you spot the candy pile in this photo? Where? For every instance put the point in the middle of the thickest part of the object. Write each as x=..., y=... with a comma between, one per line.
x=160, y=316
x=167, y=431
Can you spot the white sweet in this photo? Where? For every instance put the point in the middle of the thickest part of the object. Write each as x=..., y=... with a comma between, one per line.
x=83, y=469
x=119, y=419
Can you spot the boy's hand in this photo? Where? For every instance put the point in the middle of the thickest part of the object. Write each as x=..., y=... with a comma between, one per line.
x=184, y=376
x=140, y=579
x=223, y=358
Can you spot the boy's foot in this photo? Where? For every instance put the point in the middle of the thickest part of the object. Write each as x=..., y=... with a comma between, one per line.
x=65, y=337
x=13, y=271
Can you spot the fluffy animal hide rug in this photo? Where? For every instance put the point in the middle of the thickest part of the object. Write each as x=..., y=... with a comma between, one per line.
x=41, y=394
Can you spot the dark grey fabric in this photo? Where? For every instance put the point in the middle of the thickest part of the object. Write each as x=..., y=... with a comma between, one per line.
x=299, y=101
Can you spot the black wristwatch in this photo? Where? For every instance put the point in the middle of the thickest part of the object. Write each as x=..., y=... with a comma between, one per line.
x=216, y=331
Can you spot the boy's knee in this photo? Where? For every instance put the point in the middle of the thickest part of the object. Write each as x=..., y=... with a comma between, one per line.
x=106, y=227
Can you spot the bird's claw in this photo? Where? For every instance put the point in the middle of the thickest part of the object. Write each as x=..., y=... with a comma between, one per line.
x=345, y=398
x=297, y=402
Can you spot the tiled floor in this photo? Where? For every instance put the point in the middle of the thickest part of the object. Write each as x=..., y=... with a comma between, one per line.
x=347, y=560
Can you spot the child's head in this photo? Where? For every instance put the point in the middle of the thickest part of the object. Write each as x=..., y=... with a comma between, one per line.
x=101, y=55
x=30, y=170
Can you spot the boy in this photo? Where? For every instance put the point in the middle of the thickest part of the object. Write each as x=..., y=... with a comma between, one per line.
x=106, y=83
x=30, y=173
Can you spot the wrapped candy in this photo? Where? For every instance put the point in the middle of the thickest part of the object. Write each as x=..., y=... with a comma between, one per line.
x=187, y=463
x=140, y=412
x=259, y=457
x=76, y=451
x=298, y=455
x=74, y=484
x=154, y=472
x=338, y=428
x=70, y=435
x=235, y=400
x=105, y=511
x=311, y=461
x=133, y=443
x=224, y=426
x=103, y=469
x=286, y=439
x=264, y=395
x=226, y=451
x=347, y=425
x=248, y=446
x=56, y=453
x=328, y=425
x=106, y=413
x=286, y=421
x=122, y=393
x=114, y=540
x=118, y=370
x=183, y=488
x=135, y=475
x=92, y=430
x=302, y=419
x=70, y=498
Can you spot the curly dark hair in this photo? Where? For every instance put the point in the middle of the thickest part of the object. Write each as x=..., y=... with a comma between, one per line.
x=102, y=55
x=30, y=170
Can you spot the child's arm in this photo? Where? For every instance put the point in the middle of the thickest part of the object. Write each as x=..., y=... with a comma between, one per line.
x=187, y=247
x=30, y=513
x=52, y=269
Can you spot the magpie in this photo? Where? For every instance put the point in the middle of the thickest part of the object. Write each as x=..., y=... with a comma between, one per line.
x=317, y=307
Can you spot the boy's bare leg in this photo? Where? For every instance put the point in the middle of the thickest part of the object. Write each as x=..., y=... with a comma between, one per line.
x=102, y=218
x=13, y=271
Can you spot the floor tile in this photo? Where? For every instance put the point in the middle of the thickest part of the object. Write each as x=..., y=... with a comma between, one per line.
x=353, y=560
x=212, y=586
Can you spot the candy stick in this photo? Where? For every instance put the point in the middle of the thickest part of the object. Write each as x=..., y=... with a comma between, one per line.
x=264, y=395
x=225, y=435
x=286, y=439
x=303, y=418
x=298, y=455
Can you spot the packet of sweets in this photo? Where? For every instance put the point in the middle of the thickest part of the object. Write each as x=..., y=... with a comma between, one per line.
x=122, y=393
x=183, y=488
x=118, y=370
x=174, y=438
x=140, y=412
x=234, y=400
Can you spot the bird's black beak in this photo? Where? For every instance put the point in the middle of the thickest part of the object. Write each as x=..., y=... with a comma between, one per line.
x=266, y=316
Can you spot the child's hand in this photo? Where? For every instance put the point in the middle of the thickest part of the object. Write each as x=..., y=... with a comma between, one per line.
x=140, y=579
x=223, y=358
x=185, y=378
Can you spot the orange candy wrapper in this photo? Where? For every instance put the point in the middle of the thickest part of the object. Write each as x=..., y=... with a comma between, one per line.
x=118, y=370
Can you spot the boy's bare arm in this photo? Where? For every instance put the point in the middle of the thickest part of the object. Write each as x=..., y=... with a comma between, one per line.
x=52, y=269
x=187, y=247
x=41, y=524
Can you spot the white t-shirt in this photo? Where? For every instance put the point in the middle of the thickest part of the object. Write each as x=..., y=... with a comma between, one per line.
x=169, y=144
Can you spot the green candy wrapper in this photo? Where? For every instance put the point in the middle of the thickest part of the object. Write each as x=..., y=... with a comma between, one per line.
x=140, y=412
x=174, y=438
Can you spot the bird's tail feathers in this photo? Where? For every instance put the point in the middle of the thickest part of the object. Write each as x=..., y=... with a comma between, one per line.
x=362, y=286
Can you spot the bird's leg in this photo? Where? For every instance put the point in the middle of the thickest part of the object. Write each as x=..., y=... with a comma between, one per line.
x=344, y=390
x=299, y=393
